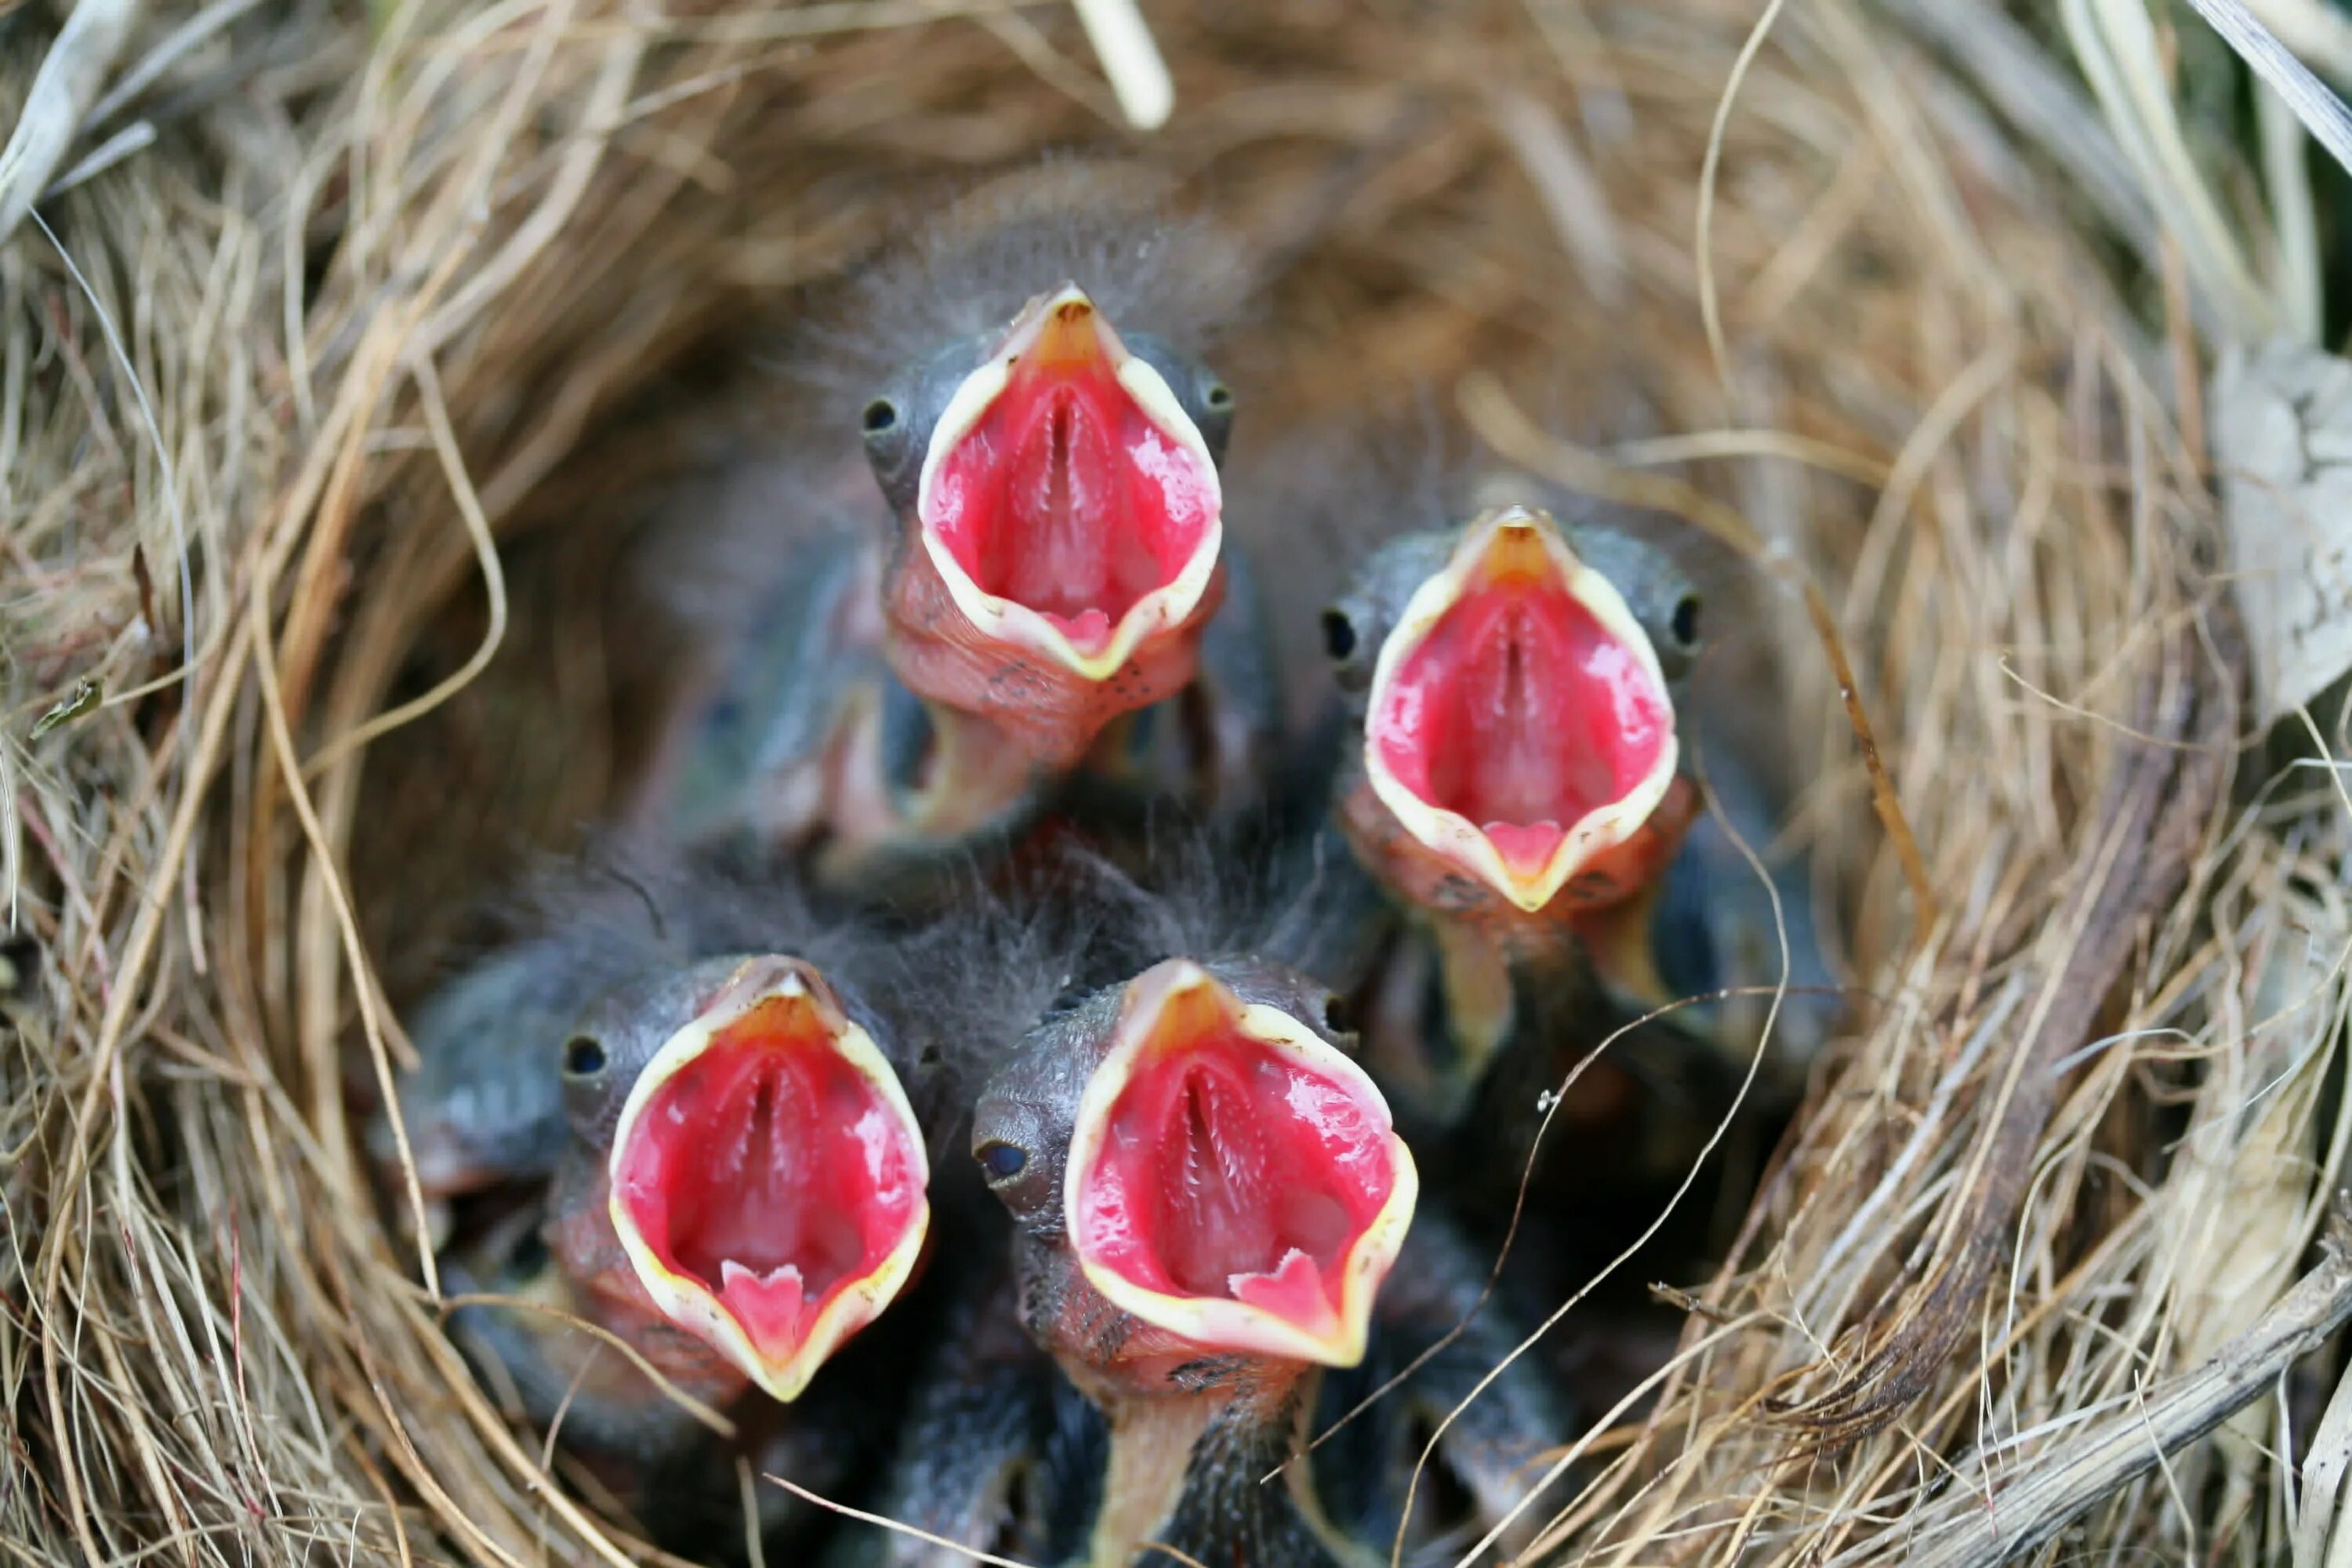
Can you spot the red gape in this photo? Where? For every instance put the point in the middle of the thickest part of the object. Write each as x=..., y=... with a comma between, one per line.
x=1066, y=498
x=1521, y=713
x=1231, y=1171
x=770, y=1169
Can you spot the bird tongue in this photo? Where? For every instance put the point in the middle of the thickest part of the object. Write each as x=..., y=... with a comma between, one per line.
x=1525, y=846
x=769, y=1306
x=1296, y=1290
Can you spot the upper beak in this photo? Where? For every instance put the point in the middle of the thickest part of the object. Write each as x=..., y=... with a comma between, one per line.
x=1061, y=341
x=768, y=1175
x=1234, y=1179
x=1519, y=674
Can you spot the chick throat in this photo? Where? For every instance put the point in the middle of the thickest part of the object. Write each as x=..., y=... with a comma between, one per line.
x=1189, y=1471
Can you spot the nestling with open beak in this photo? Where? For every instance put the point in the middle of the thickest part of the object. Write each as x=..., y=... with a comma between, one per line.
x=743, y=1190
x=1049, y=443
x=1515, y=774
x=746, y=1183
x=1206, y=1196
x=1038, y=595
x=752, y=1146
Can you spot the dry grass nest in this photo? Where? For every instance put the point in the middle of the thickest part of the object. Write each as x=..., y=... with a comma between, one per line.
x=298, y=402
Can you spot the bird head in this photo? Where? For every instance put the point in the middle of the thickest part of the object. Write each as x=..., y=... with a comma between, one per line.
x=1062, y=519
x=765, y=1175
x=1518, y=732
x=1194, y=1151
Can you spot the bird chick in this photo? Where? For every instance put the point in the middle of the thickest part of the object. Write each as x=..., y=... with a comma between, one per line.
x=1206, y=1193
x=1515, y=768
x=1049, y=440
x=745, y=1184
x=1042, y=613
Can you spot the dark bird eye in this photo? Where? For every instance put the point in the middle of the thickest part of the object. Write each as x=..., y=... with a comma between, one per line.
x=1685, y=622
x=1338, y=634
x=529, y=1253
x=584, y=1057
x=1338, y=1016
x=881, y=417
x=1219, y=397
x=1002, y=1162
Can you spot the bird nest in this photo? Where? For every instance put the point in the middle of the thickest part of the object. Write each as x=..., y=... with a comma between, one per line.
x=316, y=418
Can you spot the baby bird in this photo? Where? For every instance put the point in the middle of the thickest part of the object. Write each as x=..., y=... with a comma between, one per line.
x=1515, y=770
x=1033, y=598
x=1048, y=441
x=1206, y=1195
x=743, y=1188
x=1207, y=1198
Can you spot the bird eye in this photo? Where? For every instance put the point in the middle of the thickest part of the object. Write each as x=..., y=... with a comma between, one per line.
x=1338, y=1016
x=584, y=1057
x=1684, y=623
x=1000, y=1162
x=1219, y=397
x=881, y=417
x=529, y=1253
x=1338, y=634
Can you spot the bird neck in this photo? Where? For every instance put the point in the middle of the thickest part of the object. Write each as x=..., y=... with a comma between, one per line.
x=1194, y=1474
x=977, y=776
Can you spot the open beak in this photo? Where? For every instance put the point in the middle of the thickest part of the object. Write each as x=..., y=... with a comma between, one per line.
x=1234, y=1179
x=1519, y=725
x=768, y=1175
x=1067, y=499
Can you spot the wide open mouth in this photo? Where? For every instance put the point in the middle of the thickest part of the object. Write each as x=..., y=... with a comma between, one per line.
x=1519, y=724
x=768, y=1175
x=1067, y=501
x=1233, y=1178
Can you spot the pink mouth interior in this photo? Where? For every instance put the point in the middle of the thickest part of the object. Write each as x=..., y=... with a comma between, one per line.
x=773, y=1172
x=1231, y=1171
x=1065, y=497
x=1520, y=713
